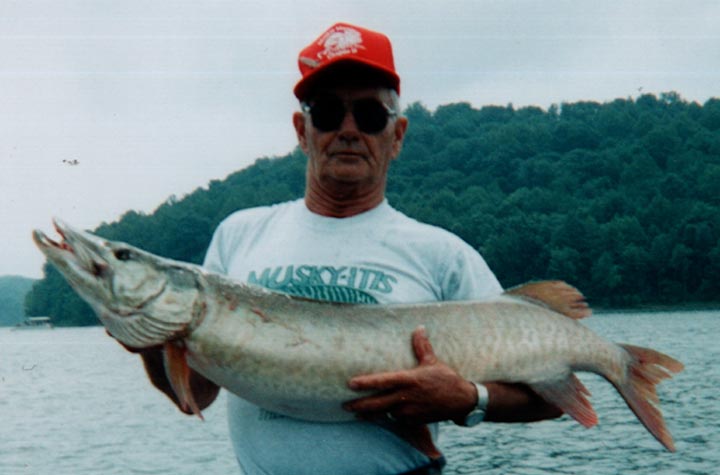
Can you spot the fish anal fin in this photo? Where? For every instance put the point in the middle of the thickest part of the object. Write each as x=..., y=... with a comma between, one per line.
x=556, y=295
x=569, y=395
x=178, y=373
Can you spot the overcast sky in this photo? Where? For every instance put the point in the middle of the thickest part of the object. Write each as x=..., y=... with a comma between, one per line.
x=107, y=106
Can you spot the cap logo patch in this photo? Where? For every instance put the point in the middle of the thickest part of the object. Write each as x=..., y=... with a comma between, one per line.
x=339, y=41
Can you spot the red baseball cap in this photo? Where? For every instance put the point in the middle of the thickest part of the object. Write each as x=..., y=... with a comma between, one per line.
x=350, y=50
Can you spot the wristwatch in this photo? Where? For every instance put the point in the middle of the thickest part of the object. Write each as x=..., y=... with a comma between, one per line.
x=477, y=415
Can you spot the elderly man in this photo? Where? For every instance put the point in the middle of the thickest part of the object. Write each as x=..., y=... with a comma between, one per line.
x=344, y=242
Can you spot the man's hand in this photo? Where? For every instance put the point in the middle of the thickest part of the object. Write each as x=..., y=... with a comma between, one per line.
x=430, y=392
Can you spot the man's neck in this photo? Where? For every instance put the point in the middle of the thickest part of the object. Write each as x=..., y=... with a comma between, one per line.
x=340, y=206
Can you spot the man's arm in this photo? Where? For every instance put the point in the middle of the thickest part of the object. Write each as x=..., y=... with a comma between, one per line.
x=517, y=403
x=433, y=392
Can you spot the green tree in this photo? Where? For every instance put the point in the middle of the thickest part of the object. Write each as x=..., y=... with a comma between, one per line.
x=620, y=198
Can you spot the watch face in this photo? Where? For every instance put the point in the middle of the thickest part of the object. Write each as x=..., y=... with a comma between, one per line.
x=475, y=418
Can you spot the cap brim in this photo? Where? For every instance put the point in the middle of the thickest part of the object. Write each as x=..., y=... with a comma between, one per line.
x=347, y=72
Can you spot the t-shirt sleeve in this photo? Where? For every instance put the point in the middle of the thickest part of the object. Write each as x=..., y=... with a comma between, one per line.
x=467, y=276
x=213, y=256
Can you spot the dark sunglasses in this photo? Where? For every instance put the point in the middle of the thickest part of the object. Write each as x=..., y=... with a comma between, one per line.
x=328, y=112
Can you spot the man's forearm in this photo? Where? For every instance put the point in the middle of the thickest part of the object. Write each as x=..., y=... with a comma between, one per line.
x=517, y=403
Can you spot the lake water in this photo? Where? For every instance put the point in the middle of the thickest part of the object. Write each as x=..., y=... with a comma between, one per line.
x=73, y=402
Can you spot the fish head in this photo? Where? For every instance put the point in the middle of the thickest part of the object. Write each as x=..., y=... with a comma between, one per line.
x=142, y=299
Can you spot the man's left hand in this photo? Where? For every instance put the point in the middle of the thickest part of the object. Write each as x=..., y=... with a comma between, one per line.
x=430, y=392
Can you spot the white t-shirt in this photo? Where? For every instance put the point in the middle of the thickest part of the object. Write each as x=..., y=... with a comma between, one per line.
x=380, y=256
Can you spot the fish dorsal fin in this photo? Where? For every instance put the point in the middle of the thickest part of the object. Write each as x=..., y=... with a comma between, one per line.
x=556, y=295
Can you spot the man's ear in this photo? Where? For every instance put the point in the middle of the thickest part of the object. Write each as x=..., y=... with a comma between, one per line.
x=299, y=122
x=401, y=124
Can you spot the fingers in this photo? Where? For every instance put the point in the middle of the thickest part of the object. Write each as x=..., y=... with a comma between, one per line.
x=421, y=394
x=422, y=347
x=380, y=381
x=425, y=355
x=373, y=405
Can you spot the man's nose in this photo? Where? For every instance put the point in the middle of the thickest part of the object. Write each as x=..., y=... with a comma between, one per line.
x=348, y=126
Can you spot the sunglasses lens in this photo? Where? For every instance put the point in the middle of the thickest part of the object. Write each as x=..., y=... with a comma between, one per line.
x=370, y=115
x=328, y=112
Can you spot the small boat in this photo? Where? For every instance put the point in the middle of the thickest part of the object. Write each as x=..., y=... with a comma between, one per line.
x=33, y=323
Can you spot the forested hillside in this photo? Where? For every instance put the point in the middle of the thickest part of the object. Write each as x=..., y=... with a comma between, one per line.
x=12, y=294
x=621, y=199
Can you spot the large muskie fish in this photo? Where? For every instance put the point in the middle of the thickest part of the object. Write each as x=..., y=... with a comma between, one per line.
x=295, y=356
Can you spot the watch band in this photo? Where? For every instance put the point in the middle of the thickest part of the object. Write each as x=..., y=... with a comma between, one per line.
x=477, y=415
x=483, y=396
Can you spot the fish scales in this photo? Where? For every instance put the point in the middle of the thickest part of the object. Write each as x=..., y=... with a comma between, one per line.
x=498, y=340
x=295, y=356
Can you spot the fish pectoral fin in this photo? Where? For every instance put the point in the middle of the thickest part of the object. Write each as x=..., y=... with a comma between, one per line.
x=178, y=373
x=556, y=295
x=570, y=396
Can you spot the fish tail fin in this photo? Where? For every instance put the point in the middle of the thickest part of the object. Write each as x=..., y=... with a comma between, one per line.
x=178, y=373
x=645, y=370
x=571, y=396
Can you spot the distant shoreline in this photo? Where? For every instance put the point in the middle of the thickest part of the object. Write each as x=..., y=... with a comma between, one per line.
x=695, y=307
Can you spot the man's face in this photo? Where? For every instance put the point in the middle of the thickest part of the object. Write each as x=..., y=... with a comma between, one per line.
x=347, y=156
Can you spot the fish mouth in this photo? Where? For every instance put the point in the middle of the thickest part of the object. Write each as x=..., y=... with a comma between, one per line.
x=92, y=267
x=73, y=248
x=45, y=243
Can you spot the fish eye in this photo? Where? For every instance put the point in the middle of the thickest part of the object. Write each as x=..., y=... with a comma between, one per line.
x=122, y=254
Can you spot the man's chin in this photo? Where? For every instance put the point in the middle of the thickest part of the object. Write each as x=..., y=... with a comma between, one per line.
x=348, y=171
